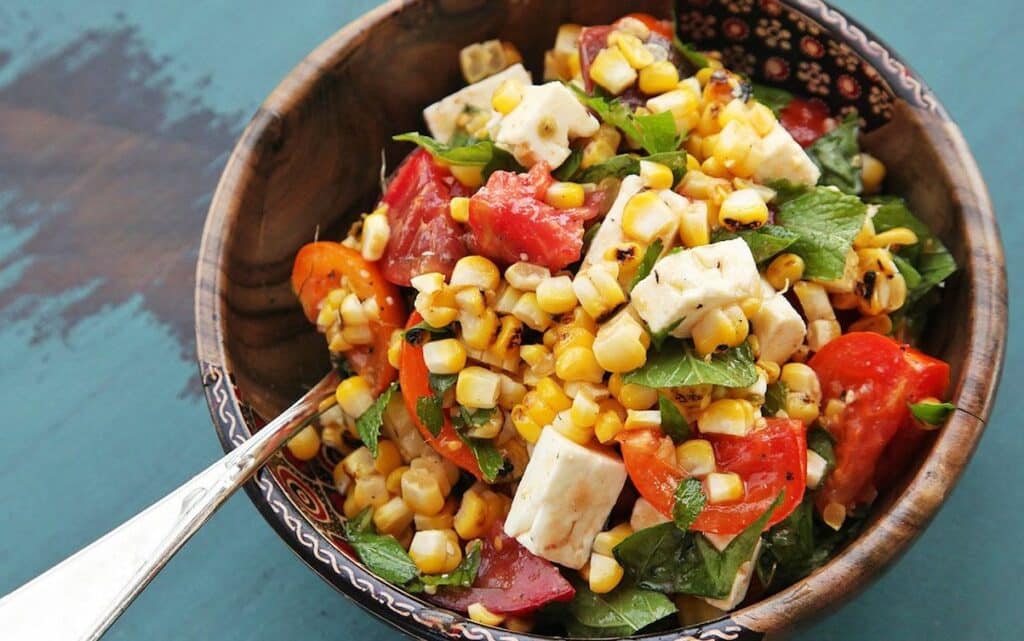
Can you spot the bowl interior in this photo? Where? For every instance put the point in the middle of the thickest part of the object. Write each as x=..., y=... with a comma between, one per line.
x=310, y=163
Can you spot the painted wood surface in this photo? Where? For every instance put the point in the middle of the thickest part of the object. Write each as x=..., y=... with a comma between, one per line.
x=115, y=120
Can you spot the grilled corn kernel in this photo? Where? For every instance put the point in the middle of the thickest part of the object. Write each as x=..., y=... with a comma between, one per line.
x=529, y=311
x=537, y=356
x=565, y=195
x=359, y=463
x=814, y=300
x=507, y=96
x=376, y=232
x=306, y=444
x=584, y=410
x=821, y=332
x=549, y=393
x=475, y=271
x=388, y=457
x=801, y=378
x=596, y=152
x=833, y=515
x=895, y=236
x=784, y=271
x=340, y=478
x=459, y=209
x=357, y=334
x=723, y=487
x=642, y=419
x=477, y=388
x=720, y=329
x=555, y=295
x=429, y=551
x=637, y=55
x=694, y=230
x=696, y=457
x=470, y=300
x=446, y=356
x=526, y=276
x=564, y=424
x=506, y=299
x=510, y=336
x=578, y=364
x=656, y=175
x=605, y=542
x=352, y=312
x=354, y=396
x=598, y=289
x=371, y=491
x=631, y=395
x=872, y=173
x=441, y=521
x=429, y=283
x=659, y=77
x=527, y=427
x=607, y=426
x=621, y=345
x=434, y=315
x=682, y=104
x=421, y=491
x=479, y=331
x=470, y=176
x=727, y=416
x=605, y=573
x=816, y=468
x=646, y=217
x=470, y=521
x=350, y=508
x=770, y=369
x=393, y=516
x=881, y=324
x=611, y=70
x=394, y=479
x=568, y=336
x=743, y=209
x=477, y=612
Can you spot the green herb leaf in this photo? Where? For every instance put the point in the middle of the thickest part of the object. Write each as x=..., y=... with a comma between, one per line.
x=929, y=257
x=501, y=160
x=651, y=256
x=468, y=420
x=620, y=613
x=827, y=222
x=695, y=58
x=678, y=364
x=382, y=554
x=775, y=398
x=787, y=190
x=368, y=425
x=430, y=413
x=932, y=413
x=658, y=338
x=629, y=165
x=689, y=503
x=463, y=575
x=821, y=442
x=656, y=133
x=422, y=331
x=672, y=421
x=837, y=154
x=570, y=166
x=441, y=383
x=764, y=242
x=477, y=154
x=492, y=463
x=772, y=97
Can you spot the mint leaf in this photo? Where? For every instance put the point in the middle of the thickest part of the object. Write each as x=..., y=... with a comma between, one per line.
x=570, y=166
x=688, y=504
x=492, y=463
x=620, y=613
x=786, y=190
x=629, y=165
x=821, y=442
x=764, y=242
x=658, y=338
x=478, y=153
x=381, y=554
x=368, y=425
x=772, y=97
x=678, y=365
x=932, y=413
x=430, y=413
x=775, y=398
x=837, y=154
x=656, y=133
x=827, y=222
x=441, y=383
x=672, y=421
x=651, y=256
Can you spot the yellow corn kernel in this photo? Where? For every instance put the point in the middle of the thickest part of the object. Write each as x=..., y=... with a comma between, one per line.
x=475, y=271
x=881, y=324
x=376, y=232
x=352, y=312
x=814, y=300
x=565, y=195
x=580, y=318
x=342, y=481
x=799, y=377
x=682, y=104
x=446, y=356
x=388, y=457
x=584, y=410
x=350, y=508
x=429, y=551
x=549, y=392
x=578, y=364
x=659, y=77
x=477, y=388
x=395, y=348
x=632, y=49
x=459, y=209
x=696, y=457
x=470, y=176
x=510, y=335
x=895, y=236
x=536, y=356
x=646, y=217
x=770, y=369
x=392, y=517
x=656, y=175
x=477, y=612
x=470, y=300
x=354, y=396
x=627, y=255
x=761, y=119
x=833, y=515
x=357, y=334
x=429, y=283
x=434, y=315
x=337, y=343
x=598, y=289
x=526, y=276
x=605, y=573
x=621, y=345
x=421, y=491
x=525, y=425
x=596, y=152
x=784, y=271
x=872, y=173
x=529, y=311
x=633, y=396
x=555, y=295
x=478, y=331
x=607, y=426
x=723, y=487
x=605, y=542
x=371, y=491
x=564, y=424
x=611, y=70
x=394, y=479
x=328, y=316
x=720, y=329
x=507, y=96
x=569, y=336
x=305, y=445
x=471, y=520
x=359, y=463
x=694, y=230
x=642, y=419
x=727, y=416
x=743, y=209
x=440, y=521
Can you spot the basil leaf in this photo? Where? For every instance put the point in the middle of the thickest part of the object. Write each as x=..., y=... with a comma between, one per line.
x=430, y=413
x=463, y=575
x=570, y=166
x=381, y=554
x=932, y=413
x=764, y=242
x=651, y=256
x=837, y=154
x=821, y=442
x=929, y=257
x=775, y=398
x=688, y=504
x=629, y=165
x=678, y=364
x=672, y=421
x=441, y=383
x=801, y=543
x=772, y=97
x=420, y=333
x=492, y=463
x=369, y=423
x=620, y=613
x=656, y=133
x=476, y=154
x=827, y=222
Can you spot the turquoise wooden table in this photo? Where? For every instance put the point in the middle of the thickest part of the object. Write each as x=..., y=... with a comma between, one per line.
x=116, y=117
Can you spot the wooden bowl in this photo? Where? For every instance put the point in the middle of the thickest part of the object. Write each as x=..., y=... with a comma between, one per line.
x=309, y=162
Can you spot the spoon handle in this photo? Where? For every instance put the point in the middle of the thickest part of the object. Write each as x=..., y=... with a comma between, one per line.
x=78, y=599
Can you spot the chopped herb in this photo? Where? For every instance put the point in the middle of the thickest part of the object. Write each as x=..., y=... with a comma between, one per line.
x=656, y=133
x=678, y=364
x=658, y=338
x=695, y=58
x=651, y=256
x=382, y=554
x=821, y=442
x=492, y=463
x=672, y=421
x=629, y=164
x=441, y=383
x=764, y=242
x=463, y=575
x=827, y=222
x=929, y=258
x=837, y=154
x=568, y=169
x=481, y=153
x=932, y=413
x=368, y=425
x=430, y=413
x=688, y=504
x=775, y=398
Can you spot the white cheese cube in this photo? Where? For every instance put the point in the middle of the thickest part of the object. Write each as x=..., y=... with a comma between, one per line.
x=539, y=129
x=564, y=498
x=443, y=115
x=778, y=326
x=784, y=158
x=685, y=286
x=610, y=233
x=645, y=515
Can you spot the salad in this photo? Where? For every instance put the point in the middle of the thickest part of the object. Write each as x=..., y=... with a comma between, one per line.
x=623, y=348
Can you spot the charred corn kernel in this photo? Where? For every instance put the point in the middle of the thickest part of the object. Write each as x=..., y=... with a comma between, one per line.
x=470, y=300
x=371, y=491
x=607, y=426
x=627, y=255
x=421, y=491
x=342, y=481
x=478, y=331
x=727, y=416
x=694, y=230
x=833, y=515
x=633, y=50
x=350, y=508
x=468, y=175
x=475, y=271
x=388, y=457
x=784, y=271
x=872, y=173
x=306, y=444
x=393, y=516
x=605, y=542
x=656, y=175
x=682, y=104
x=598, y=289
x=605, y=573
x=568, y=336
x=578, y=364
x=564, y=195
x=477, y=612
x=436, y=316
x=506, y=299
x=814, y=300
x=700, y=186
x=394, y=479
x=430, y=283
x=510, y=336
x=446, y=356
x=821, y=332
x=646, y=217
x=800, y=407
x=429, y=551
x=621, y=345
x=631, y=395
x=440, y=521
x=376, y=232
x=507, y=96
x=611, y=70
x=743, y=209
x=816, y=468
x=525, y=425
x=555, y=295
x=459, y=209
x=801, y=378
x=719, y=330
x=477, y=388
x=881, y=324
x=696, y=457
x=354, y=396
x=642, y=419
x=723, y=487
x=894, y=236
x=529, y=311
x=584, y=410
x=359, y=463
x=658, y=77
x=526, y=276
x=549, y=392
x=471, y=521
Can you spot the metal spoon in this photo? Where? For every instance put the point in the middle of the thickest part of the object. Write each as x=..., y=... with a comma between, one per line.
x=94, y=586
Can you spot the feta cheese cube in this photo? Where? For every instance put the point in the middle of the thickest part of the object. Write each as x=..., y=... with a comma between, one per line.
x=539, y=129
x=564, y=498
x=442, y=116
x=778, y=326
x=784, y=158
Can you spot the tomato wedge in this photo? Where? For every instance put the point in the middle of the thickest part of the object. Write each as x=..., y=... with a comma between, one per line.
x=415, y=383
x=769, y=460
x=511, y=580
x=318, y=269
x=424, y=238
x=511, y=222
x=805, y=120
x=876, y=377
